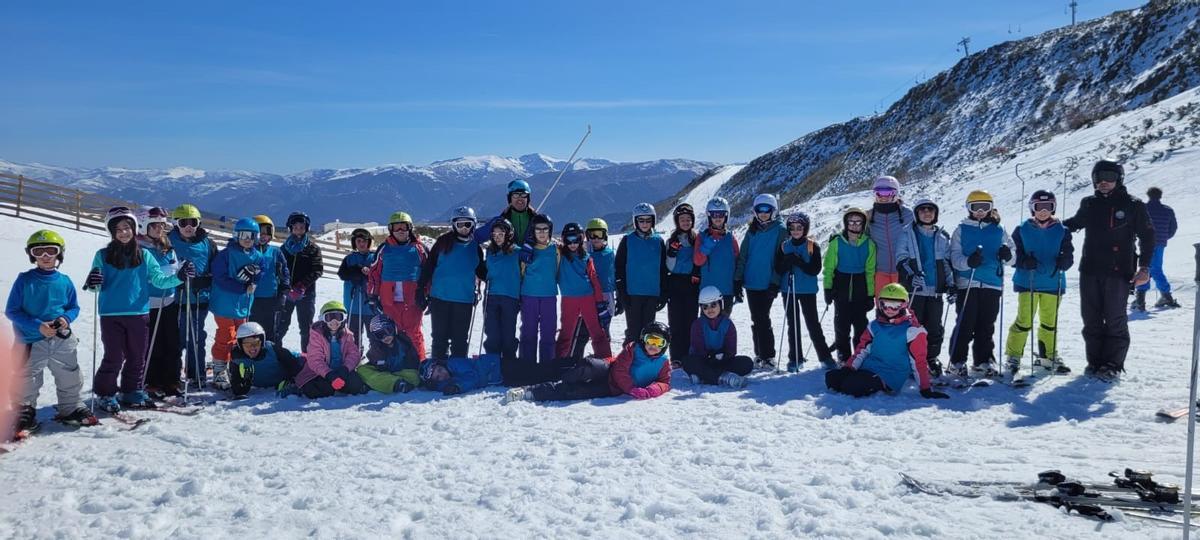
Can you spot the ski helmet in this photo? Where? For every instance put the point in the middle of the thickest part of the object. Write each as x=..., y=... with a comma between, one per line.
x=265, y=220
x=597, y=224
x=428, y=366
x=764, y=200
x=683, y=209
x=1107, y=169
x=572, y=229
x=656, y=331
x=518, y=186
x=185, y=211
x=462, y=213
x=250, y=329
x=979, y=196
x=886, y=182
x=894, y=292
x=542, y=219
x=151, y=214
x=116, y=214
x=1042, y=196
x=801, y=218
x=45, y=237
x=299, y=217
x=399, y=217
x=643, y=209
x=710, y=294
x=717, y=205
x=361, y=233
x=246, y=224
x=332, y=305
x=851, y=211
x=382, y=326
x=505, y=225
x=923, y=202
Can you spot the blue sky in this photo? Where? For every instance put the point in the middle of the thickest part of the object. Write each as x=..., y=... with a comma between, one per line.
x=288, y=86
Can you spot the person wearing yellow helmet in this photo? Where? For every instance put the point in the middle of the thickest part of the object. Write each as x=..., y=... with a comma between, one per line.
x=42, y=305
x=192, y=243
x=889, y=352
x=392, y=279
x=979, y=249
x=274, y=281
x=849, y=280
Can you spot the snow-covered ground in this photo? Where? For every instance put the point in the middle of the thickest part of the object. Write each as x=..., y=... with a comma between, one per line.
x=781, y=458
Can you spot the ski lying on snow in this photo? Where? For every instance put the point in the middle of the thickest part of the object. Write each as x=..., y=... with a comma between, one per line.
x=130, y=423
x=1175, y=413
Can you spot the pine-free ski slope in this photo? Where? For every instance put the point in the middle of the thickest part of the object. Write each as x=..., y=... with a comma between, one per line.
x=779, y=459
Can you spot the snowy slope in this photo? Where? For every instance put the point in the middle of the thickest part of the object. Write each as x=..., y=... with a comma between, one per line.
x=781, y=458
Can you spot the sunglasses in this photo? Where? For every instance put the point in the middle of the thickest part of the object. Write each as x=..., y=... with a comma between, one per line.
x=1107, y=176
x=886, y=192
x=1038, y=207
x=244, y=235
x=654, y=340
x=254, y=341
x=45, y=251
x=891, y=305
x=334, y=316
x=644, y=220
x=541, y=229
x=854, y=222
x=980, y=207
x=711, y=305
x=573, y=239
x=599, y=235
x=188, y=222
x=716, y=215
x=763, y=209
x=520, y=195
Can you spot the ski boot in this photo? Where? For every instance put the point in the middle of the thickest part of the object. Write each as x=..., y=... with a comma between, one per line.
x=935, y=368
x=108, y=404
x=827, y=361
x=1055, y=365
x=1165, y=300
x=1012, y=370
x=732, y=380
x=958, y=370
x=985, y=370
x=1139, y=301
x=794, y=366
x=220, y=378
x=765, y=364
x=27, y=420
x=285, y=389
x=695, y=379
x=518, y=393
x=138, y=399
x=80, y=417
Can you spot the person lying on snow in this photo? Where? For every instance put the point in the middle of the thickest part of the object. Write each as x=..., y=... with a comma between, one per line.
x=456, y=374
x=891, y=349
x=392, y=360
x=256, y=362
x=642, y=371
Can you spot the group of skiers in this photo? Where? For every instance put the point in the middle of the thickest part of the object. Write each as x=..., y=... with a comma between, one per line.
x=891, y=258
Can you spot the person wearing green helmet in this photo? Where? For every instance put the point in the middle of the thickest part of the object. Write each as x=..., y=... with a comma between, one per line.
x=42, y=306
x=392, y=279
x=237, y=270
x=331, y=358
x=192, y=243
x=604, y=258
x=890, y=350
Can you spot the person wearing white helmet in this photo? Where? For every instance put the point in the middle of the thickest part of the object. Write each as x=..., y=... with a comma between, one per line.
x=926, y=270
x=755, y=270
x=163, y=366
x=716, y=253
x=712, y=355
x=641, y=272
x=256, y=362
x=888, y=220
x=449, y=277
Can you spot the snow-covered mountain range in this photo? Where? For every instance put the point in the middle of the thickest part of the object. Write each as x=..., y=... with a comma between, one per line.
x=593, y=186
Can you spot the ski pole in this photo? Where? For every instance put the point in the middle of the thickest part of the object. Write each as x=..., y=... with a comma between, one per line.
x=154, y=332
x=192, y=322
x=187, y=333
x=1000, y=343
x=570, y=162
x=819, y=323
x=471, y=325
x=958, y=320
x=1062, y=283
x=481, y=335
x=782, y=332
x=796, y=323
x=95, y=324
x=1032, y=297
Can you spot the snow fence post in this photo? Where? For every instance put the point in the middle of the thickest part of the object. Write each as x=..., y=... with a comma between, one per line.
x=1191, y=442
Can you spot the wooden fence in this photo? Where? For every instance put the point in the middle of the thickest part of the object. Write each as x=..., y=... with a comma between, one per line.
x=84, y=211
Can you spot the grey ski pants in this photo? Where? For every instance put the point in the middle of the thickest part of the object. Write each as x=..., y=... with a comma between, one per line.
x=60, y=356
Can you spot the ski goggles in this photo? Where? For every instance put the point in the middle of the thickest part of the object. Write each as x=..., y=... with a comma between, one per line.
x=188, y=222
x=655, y=340
x=885, y=192
x=464, y=224
x=855, y=221
x=643, y=219
x=980, y=207
x=598, y=235
x=44, y=251
x=1039, y=206
x=572, y=239
x=253, y=341
x=763, y=208
x=541, y=228
x=891, y=305
x=333, y=316
x=717, y=214
x=244, y=235
x=383, y=333
x=402, y=226
x=519, y=195
x=711, y=305
x=1106, y=176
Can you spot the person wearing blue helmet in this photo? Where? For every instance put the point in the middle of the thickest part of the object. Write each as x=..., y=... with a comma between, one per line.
x=519, y=213
x=236, y=272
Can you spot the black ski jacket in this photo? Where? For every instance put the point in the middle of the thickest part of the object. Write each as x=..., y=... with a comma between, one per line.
x=1119, y=236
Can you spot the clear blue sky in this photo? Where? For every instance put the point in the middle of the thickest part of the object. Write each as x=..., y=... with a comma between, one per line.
x=288, y=86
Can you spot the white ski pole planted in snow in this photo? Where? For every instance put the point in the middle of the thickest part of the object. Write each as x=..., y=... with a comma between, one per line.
x=1191, y=442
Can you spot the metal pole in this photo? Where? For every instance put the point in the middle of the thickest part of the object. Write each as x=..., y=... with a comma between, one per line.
x=1191, y=442
x=570, y=162
x=1017, y=171
x=96, y=323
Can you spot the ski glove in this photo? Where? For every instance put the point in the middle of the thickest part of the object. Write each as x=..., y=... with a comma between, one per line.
x=662, y=303
x=1027, y=262
x=248, y=273
x=738, y=295
x=186, y=271
x=94, y=280
x=295, y=294
x=422, y=299
x=828, y=296
x=673, y=248
x=707, y=244
x=1004, y=254
x=951, y=296
x=918, y=282
x=976, y=259
x=525, y=253
x=640, y=393
x=1062, y=263
x=930, y=393
x=337, y=383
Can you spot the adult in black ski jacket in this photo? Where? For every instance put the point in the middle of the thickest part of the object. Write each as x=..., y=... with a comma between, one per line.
x=1118, y=244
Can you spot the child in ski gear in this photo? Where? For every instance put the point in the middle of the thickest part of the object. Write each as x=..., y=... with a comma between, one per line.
x=274, y=281
x=353, y=273
x=889, y=351
x=393, y=278
x=582, y=297
x=456, y=375
x=604, y=258
x=305, y=266
x=1043, y=255
x=519, y=213
x=257, y=362
x=449, y=275
x=331, y=360
x=1165, y=226
x=641, y=272
x=122, y=274
x=1118, y=246
x=539, y=287
x=392, y=361
x=798, y=264
x=755, y=269
x=926, y=270
x=979, y=248
x=717, y=252
x=683, y=282
x=641, y=371
x=889, y=222
x=163, y=366
x=192, y=244
x=236, y=273
x=849, y=280
x=501, y=270
x=712, y=357
x=42, y=306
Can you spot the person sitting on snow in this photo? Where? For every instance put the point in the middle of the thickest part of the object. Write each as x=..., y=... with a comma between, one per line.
x=712, y=356
x=392, y=360
x=456, y=375
x=891, y=349
x=256, y=362
x=330, y=360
